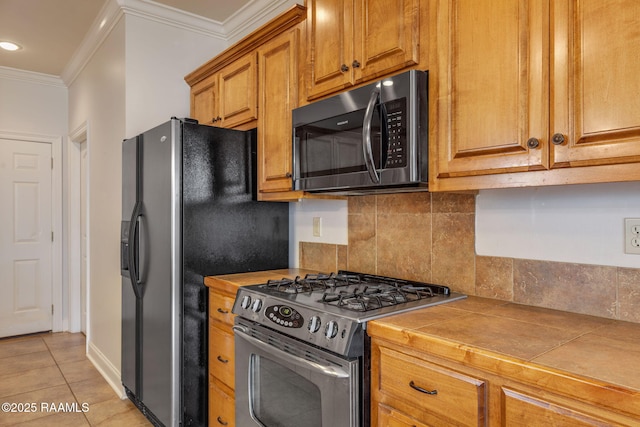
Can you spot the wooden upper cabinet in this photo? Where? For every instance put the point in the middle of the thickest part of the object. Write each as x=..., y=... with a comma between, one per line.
x=227, y=98
x=489, y=86
x=204, y=100
x=278, y=74
x=238, y=94
x=330, y=45
x=533, y=93
x=387, y=36
x=352, y=41
x=596, y=82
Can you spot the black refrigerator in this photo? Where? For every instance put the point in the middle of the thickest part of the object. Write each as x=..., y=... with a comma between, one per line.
x=189, y=210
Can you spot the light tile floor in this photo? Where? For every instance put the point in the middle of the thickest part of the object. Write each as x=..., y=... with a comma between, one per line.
x=42, y=371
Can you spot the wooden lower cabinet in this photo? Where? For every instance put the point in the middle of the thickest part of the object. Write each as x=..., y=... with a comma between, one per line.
x=389, y=417
x=221, y=359
x=222, y=411
x=522, y=409
x=433, y=394
x=415, y=388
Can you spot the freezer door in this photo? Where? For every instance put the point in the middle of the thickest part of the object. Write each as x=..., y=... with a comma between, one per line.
x=160, y=272
x=130, y=193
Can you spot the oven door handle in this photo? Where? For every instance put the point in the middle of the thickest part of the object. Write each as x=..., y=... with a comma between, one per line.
x=332, y=371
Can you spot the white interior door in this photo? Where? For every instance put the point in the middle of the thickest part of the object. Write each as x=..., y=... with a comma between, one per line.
x=25, y=237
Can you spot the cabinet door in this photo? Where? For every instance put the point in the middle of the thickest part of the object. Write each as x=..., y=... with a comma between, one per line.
x=596, y=84
x=277, y=65
x=238, y=94
x=204, y=100
x=488, y=87
x=330, y=46
x=387, y=36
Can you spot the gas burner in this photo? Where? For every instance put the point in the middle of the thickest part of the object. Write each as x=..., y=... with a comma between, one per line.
x=313, y=282
x=419, y=291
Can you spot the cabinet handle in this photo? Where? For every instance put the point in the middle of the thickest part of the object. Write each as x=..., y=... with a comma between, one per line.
x=422, y=390
x=222, y=360
x=355, y=64
x=558, y=139
x=224, y=423
x=344, y=68
x=533, y=143
x=223, y=311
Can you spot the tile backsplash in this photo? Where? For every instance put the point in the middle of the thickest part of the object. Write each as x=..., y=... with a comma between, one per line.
x=431, y=237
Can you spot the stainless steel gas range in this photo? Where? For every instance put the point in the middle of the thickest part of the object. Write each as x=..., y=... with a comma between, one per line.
x=302, y=353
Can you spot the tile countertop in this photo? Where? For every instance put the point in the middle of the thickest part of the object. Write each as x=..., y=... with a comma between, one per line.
x=504, y=338
x=567, y=352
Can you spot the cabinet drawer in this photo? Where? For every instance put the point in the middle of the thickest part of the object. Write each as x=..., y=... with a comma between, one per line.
x=521, y=409
x=220, y=306
x=221, y=407
x=432, y=388
x=221, y=355
x=389, y=417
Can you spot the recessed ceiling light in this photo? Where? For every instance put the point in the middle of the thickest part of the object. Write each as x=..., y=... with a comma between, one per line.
x=9, y=46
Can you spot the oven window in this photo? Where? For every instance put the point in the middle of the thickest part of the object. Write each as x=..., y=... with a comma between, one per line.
x=281, y=397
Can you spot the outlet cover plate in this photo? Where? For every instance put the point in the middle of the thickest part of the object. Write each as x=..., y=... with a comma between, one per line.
x=632, y=236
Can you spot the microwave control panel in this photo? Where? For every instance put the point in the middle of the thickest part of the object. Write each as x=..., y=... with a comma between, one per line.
x=397, y=130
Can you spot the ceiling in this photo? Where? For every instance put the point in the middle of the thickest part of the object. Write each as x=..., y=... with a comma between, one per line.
x=50, y=31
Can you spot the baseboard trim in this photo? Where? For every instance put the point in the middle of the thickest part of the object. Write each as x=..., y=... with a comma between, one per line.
x=110, y=373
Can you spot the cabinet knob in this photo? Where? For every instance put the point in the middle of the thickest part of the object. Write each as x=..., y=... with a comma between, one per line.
x=288, y=175
x=344, y=68
x=558, y=139
x=533, y=143
x=355, y=64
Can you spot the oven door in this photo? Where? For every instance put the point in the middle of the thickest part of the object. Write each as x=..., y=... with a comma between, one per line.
x=281, y=382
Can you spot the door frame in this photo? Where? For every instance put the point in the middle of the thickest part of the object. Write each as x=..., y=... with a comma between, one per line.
x=57, y=324
x=77, y=137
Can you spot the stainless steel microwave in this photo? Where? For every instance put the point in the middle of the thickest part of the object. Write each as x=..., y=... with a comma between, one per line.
x=373, y=138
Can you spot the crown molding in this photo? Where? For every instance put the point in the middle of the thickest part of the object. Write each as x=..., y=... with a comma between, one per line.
x=105, y=22
x=31, y=77
x=245, y=20
x=252, y=15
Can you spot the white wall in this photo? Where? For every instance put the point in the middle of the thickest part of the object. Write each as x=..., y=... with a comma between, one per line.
x=36, y=104
x=334, y=220
x=97, y=99
x=157, y=58
x=574, y=223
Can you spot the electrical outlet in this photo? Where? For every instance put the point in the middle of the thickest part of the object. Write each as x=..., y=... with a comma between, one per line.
x=317, y=226
x=632, y=236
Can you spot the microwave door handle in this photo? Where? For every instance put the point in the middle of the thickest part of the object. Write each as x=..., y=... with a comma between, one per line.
x=367, y=151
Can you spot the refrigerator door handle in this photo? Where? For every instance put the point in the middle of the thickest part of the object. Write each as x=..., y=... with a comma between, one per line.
x=134, y=248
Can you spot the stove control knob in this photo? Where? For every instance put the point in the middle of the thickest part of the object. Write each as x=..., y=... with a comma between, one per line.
x=256, y=306
x=245, y=302
x=332, y=329
x=314, y=324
